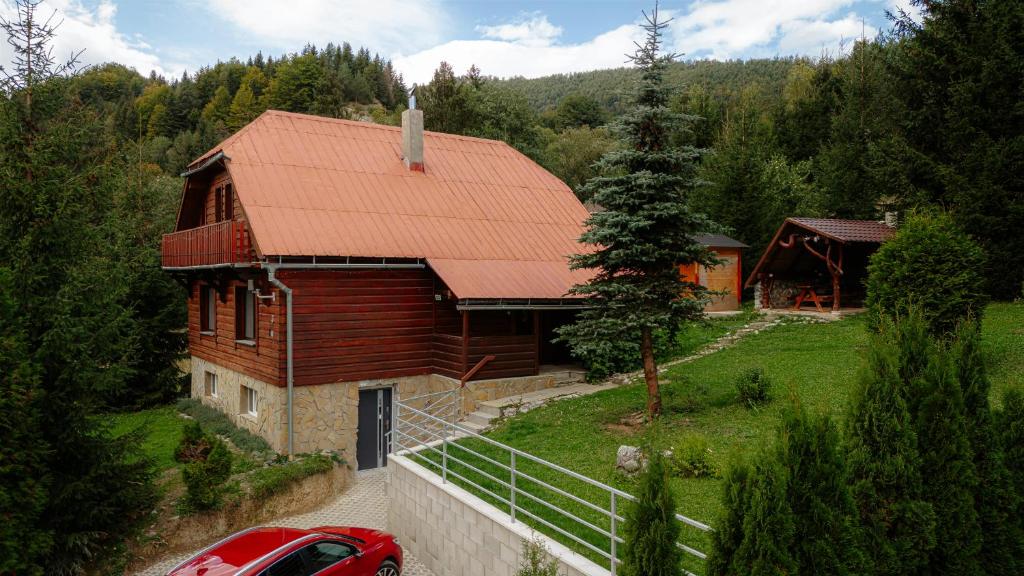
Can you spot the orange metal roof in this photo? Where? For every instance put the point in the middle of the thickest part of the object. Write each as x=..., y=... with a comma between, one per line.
x=490, y=221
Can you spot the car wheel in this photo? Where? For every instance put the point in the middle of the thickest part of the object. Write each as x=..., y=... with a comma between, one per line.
x=387, y=568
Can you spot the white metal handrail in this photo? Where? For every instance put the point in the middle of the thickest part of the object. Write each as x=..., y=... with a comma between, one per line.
x=438, y=434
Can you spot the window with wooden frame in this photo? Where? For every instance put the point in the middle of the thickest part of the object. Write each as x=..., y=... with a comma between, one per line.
x=249, y=401
x=245, y=315
x=210, y=384
x=218, y=213
x=229, y=202
x=207, y=309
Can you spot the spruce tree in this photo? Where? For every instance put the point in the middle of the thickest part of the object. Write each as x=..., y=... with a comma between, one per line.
x=65, y=285
x=948, y=465
x=826, y=524
x=646, y=229
x=885, y=469
x=995, y=499
x=652, y=530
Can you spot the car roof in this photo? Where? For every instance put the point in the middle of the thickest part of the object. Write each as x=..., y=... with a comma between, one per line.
x=229, y=555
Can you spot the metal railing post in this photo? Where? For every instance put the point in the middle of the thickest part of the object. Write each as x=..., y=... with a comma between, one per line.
x=444, y=460
x=512, y=488
x=613, y=531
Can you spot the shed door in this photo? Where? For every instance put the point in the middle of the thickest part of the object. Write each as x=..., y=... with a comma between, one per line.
x=373, y=439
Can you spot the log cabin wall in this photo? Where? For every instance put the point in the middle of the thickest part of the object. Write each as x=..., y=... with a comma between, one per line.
x=263, y=360
x=352, y=325
x=360, y=324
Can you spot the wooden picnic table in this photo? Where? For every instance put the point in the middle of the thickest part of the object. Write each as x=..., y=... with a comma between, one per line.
x=808, y=293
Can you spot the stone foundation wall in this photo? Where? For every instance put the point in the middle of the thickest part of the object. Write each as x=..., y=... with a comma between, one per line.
x=457, y=534
x=327, y=415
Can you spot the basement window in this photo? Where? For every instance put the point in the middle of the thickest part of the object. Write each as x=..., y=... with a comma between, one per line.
x=210, y=384
x=245, y=316
x=207, y=309
x=249, y=401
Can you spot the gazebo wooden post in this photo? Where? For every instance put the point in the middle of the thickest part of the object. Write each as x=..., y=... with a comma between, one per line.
x=837, y=271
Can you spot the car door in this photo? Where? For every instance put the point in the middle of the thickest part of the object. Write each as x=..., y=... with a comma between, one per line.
x=331, y=558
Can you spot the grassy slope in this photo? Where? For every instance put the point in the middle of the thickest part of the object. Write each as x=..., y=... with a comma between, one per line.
x=162, y=429
x=815, y=363
x=1003, y=333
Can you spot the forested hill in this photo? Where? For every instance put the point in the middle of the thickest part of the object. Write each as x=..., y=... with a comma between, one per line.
x=176, y=120
x=611, y=87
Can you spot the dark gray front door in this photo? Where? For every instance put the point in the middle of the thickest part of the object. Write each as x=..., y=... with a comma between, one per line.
x=373, y=441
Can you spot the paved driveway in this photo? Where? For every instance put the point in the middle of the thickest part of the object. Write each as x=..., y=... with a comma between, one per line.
x=364, y=504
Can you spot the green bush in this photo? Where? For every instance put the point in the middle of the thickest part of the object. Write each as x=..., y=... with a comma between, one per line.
x=651, y=529
x=207, y=468
x=754, y=387
x=215, y=422
x=536, y=561
x=929, y=263
x=265, y=482
x=693, y=459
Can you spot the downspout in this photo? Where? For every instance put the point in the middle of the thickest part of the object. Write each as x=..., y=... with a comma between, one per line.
x=271, y=269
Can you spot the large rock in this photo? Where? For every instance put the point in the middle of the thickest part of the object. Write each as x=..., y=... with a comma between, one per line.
x=629, y=459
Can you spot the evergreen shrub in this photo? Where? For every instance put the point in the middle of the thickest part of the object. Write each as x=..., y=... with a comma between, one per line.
x=651, y=529
x=754, y=387
x=207, y=467
x=932, y=264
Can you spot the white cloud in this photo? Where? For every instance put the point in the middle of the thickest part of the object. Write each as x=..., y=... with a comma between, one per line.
x=388, y=26
x=718, y=29
x=724, y=29
x=532, y=31
x=92, y=29
x=527, y=55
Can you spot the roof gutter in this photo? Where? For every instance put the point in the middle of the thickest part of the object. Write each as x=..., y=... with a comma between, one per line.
x=208, y=163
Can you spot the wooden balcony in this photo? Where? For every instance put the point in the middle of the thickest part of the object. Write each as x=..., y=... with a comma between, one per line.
x=222, y=243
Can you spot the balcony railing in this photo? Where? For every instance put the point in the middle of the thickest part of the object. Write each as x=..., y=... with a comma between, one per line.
x=211, y=245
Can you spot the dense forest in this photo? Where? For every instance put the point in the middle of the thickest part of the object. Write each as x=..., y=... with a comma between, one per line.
x=927, y=117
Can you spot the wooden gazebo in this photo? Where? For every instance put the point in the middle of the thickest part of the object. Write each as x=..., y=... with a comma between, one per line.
x=817, y=260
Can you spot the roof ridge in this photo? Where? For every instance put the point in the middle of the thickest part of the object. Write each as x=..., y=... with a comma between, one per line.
x=364, y=124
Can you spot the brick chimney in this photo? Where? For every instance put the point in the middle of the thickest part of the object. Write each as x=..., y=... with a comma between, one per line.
x=412, y=135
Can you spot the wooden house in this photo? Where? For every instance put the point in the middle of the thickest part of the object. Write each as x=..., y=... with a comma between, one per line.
x=334, y=266
x=726, y=278
x=817, y=261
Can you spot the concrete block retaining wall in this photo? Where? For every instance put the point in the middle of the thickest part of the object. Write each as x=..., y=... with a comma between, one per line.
x=455, y=533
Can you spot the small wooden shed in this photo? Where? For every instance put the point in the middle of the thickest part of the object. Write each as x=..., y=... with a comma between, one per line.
x=817, y=261
x=727, y=277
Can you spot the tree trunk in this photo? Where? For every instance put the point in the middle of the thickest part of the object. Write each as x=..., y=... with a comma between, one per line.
x=650, y=374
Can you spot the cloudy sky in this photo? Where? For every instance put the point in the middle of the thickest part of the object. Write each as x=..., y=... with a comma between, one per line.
x=503, y=38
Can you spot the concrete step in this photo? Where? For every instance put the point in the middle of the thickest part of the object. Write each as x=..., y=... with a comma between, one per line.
x=473, y=426
x=481, y=418
x=493, y=411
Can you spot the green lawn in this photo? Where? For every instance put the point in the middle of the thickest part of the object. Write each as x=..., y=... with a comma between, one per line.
x=814, y=363
x=162, y=430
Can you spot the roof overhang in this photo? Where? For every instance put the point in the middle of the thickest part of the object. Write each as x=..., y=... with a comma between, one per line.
x=521, y=304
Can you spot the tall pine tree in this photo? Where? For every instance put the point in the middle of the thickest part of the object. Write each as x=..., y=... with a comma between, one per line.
x=646, y=229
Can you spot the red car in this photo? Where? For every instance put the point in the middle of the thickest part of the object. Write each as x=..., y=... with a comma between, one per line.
x=323, y=551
